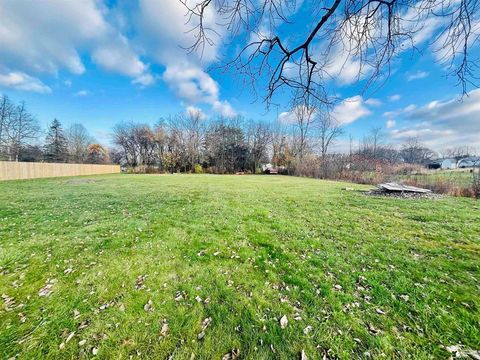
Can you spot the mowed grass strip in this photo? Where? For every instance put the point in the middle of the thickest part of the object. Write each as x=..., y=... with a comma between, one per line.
x=183, y=266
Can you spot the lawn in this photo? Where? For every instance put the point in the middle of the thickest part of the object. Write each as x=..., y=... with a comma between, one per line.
x=194, y=266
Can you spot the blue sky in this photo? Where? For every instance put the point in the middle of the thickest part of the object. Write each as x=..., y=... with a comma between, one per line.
x=99, y=63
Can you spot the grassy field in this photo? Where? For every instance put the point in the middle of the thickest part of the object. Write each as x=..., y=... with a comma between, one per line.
x=459, y=177
x=193, y=266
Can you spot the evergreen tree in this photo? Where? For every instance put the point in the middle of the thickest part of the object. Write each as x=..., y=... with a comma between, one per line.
x=55, y=144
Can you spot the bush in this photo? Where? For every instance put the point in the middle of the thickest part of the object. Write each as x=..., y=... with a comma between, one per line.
x=476, y=184
x=198, y=169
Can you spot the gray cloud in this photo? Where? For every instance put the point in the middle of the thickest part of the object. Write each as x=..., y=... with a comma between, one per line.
x=441, y=124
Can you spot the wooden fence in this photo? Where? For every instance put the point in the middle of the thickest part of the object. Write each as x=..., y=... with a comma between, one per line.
x=10, y=170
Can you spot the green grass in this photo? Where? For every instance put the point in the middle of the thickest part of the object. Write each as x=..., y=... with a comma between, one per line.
x=257, y=247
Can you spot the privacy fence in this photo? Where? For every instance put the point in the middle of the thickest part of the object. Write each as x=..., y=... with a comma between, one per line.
x=10, y=170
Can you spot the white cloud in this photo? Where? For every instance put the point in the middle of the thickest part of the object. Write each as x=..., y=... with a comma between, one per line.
x=344, y=68
x=373, y=102
x=441, y=124
x=224, y=108
x=195, y=86
x=82, y=93
x=293, y=115
x=51, y=36
x=145, y=80
x=191, y=83
x=395, y=97
x=21, y=81
x=194, y=111
x=350, y=110
x=287, y=117
x=164, y=33
x=410, y=107
x=117, y=57
x=418, y=75
x=390, y=123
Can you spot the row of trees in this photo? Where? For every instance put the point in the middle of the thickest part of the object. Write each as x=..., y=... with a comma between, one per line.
x=299, y=143
x=189, y=142
x=21, y=139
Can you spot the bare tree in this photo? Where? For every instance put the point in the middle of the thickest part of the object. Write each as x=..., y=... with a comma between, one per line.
x=22, y=128
x=78, y=140
x=376, y=136
x=259, y=137
x=7, y=110
x=305, y=116
x=458, y=152
x=414, y=152
x=369, y=33
x=329, y=130
x=195, y=129
x=282, y=154
x=371, y=143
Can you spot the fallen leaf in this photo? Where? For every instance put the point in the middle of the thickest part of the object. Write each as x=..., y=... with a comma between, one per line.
x=72, y=334
x=303, y=356
x=307, y=329
x=148, y=306
x=164, y=329
x=47, y=289
x=283, y=322
x=206, y=322
x=178, y=296
x=232, y=355
x=139, y=282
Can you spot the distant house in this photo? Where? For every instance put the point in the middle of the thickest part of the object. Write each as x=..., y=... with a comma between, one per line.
x=469, y=162
x=269, y=169
x=266, y=166
x=449, y=163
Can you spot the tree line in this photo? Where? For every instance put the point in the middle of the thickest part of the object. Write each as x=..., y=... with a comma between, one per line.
x=300, y=143
x=21, y=139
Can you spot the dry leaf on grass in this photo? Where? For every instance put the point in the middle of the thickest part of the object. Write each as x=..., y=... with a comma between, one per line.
x=148, y=306
x=164, y=329
x=283, y=322
x=303, y=356
x=48, y=288
x=232, y=355
x=139, y=282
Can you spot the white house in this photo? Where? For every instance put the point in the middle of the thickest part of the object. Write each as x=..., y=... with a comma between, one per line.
x=266, y=166
x=449, y=163
x=470, y=161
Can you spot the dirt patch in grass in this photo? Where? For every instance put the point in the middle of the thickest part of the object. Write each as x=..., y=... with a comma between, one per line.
x=80, y=181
